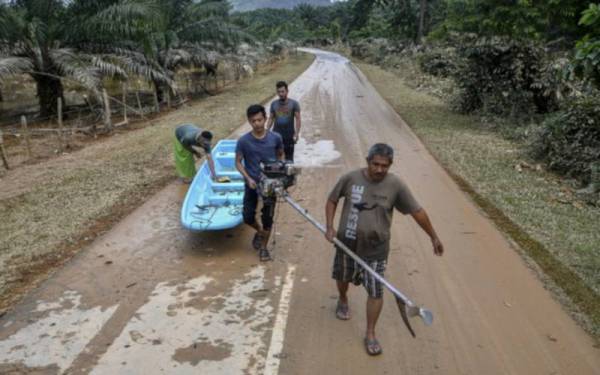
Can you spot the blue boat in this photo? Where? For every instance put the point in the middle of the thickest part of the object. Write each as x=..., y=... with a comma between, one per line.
x=211, y=205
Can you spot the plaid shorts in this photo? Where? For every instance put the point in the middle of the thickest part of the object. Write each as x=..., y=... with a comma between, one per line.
x=346, y=269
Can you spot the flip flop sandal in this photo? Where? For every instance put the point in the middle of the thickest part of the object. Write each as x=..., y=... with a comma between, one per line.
x=342, y=311
x=264, y=255
x=257, y=241
x=373, y=347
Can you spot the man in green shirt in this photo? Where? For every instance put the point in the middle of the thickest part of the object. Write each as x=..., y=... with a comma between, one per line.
x=189, y=140
x=370, y=196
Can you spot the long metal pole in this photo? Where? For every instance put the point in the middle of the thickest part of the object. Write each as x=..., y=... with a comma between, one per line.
x=406, y=306
x=353, y=255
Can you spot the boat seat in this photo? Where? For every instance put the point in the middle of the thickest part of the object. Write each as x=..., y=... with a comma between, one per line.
x=232, y=174
x=231, y=198
x=224, y=155
x=234, y=185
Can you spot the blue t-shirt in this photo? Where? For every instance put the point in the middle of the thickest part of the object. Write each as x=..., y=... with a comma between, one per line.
x=285, y=114
x=255, y=150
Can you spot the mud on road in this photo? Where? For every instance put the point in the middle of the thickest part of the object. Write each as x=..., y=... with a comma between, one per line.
x=149, y=297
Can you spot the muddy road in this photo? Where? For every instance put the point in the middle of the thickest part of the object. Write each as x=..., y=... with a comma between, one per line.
x=150, y=298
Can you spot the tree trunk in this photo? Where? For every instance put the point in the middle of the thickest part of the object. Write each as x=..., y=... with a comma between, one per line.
x=49, y=89
x=422, y=11
x=160, y=91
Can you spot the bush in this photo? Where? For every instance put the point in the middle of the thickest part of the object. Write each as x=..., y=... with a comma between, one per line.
x=375, y=50
x=503, y=77
x=438, y=63
x=587, y=57
x=569, y=140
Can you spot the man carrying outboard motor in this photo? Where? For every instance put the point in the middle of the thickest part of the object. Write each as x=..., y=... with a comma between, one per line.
x=254, y=147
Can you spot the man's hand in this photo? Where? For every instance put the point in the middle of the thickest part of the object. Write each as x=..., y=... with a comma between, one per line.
x=330, y=234
x=251, y=183
x=438, y=248
x=296, y=137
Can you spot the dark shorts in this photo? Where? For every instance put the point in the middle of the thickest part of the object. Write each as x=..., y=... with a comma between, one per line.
x=250, y=204
x=346, y=269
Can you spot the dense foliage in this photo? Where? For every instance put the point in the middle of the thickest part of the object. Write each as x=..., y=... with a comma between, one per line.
x=517, y=19
x=503, y=77
x=570, y=139
x=304, y=22
x=587, y=57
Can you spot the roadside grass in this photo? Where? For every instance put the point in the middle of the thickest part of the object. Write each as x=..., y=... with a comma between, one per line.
x=534, y=208
x=50, y=210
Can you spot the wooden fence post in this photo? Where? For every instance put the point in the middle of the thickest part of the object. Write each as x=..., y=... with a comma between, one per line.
x=125, y=120
x=107, y=114
x=3, y=152
x=60, y=125
x=156, y=103
x=93, y=126
x=26, y=135
x=139, y=102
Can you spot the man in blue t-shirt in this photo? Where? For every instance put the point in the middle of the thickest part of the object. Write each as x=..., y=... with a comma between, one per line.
x=252, y=148
x=285, y=119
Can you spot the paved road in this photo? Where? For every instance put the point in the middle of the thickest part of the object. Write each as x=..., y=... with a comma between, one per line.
x=150, y=298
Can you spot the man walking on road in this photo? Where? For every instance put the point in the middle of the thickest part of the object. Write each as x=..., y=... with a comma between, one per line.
x=254, y=147
x=285, y=119
x=370, y=196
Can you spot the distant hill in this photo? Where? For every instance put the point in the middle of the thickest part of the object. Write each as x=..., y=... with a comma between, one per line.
x=246, y=5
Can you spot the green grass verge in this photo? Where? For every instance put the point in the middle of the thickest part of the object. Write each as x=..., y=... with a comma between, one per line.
x=534, y=208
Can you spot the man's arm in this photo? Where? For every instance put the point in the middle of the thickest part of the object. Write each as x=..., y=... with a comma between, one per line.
x=298, y=123
x=422, y=219
x=330, y=208
x=279, y=153
x=196, y=150
x=211, y=165
x=242, y=170
x=271, y=120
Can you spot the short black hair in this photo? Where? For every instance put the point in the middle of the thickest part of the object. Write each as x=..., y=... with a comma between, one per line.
x=381, y=149
x=206, y=134
x=255, y=109
x=281, y=84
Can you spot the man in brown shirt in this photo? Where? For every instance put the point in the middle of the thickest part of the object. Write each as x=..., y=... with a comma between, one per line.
x=370, y=196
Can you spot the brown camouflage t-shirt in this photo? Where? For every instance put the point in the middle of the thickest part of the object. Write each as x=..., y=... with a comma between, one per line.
x=368, y=209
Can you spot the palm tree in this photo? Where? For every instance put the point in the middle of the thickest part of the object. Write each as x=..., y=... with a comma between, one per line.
x=188, y=34
x=35, y=40
x=85, y=40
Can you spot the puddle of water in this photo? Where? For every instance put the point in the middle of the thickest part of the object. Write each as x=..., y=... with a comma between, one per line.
x=315, y=154
x=182, y=330
x=58, y=338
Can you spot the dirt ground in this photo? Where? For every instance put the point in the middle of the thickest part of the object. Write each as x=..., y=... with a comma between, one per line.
x=50, y=209
x=149, y=298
